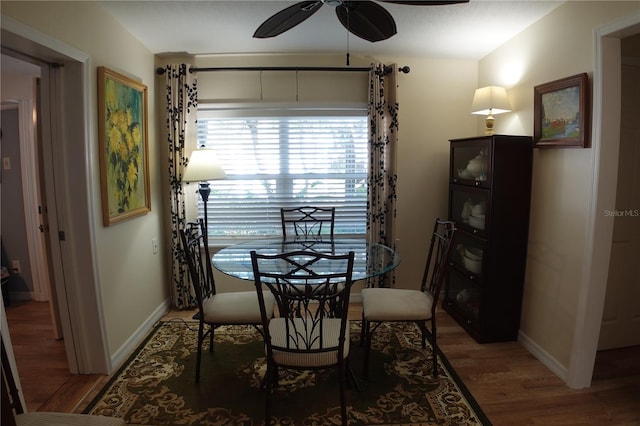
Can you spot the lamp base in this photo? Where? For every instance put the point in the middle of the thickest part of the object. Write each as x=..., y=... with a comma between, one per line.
x=488, y=122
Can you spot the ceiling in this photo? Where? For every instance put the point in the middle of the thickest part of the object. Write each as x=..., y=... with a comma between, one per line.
x=462, y=31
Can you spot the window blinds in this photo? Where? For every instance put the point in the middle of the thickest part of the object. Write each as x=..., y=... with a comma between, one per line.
x=281, y=158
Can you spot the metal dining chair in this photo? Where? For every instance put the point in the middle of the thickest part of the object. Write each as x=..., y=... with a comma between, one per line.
x=216, y=309
x=308, y=221
x=311, y=330
x=381, y=305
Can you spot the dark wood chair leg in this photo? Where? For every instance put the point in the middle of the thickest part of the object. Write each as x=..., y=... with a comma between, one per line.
x=343, y=392
x=199, y=353
x=269, y=379
x=434, y=347
x=367, y=350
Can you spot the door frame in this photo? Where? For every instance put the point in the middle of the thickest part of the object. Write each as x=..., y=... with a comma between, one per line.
x=67, y=158
x=606, y=128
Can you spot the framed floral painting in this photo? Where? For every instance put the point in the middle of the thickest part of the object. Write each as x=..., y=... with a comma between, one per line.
x=124, y=150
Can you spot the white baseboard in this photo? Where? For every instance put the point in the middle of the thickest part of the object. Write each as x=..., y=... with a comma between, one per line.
x=543, y=356
x=134, y=340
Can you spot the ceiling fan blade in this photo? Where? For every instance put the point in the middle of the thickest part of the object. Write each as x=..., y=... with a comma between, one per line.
x=366, y=20
x=425, y=2
x=287, y=18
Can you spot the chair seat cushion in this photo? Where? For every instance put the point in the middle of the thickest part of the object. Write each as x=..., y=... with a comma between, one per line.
x=240, y=307
x=39, y=418
x=330, y=335
x=394, y=304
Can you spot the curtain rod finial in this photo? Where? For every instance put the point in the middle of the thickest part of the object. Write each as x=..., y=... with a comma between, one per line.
x=405, y=69
x=160, y=70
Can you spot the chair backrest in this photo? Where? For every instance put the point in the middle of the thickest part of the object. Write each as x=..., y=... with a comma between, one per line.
x=435, y=270
x=311, y=289
x=196, y=249
x=307, y=221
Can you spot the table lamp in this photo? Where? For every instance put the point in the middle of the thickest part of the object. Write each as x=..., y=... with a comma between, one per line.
x=203, y=167
x=490, y=101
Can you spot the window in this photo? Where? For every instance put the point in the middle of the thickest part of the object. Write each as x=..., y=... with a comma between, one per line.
x=282, y=157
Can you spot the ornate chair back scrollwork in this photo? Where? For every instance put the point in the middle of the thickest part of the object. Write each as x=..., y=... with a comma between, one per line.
x=308, y=221
x=311, y=330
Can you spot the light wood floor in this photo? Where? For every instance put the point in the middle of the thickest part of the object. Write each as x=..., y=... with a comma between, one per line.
x=511, y=386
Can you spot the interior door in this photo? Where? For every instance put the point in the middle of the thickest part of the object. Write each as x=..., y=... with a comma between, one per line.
x=27, y=213
x=621, y=318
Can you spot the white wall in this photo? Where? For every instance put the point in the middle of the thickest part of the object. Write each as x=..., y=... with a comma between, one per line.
x=132, y=281
x=559, y=45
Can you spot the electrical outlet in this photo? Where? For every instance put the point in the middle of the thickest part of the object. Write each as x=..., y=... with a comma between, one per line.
x=154, y=245
x=15, y=266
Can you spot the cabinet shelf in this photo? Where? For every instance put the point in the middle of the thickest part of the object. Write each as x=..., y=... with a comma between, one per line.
x=489, y=199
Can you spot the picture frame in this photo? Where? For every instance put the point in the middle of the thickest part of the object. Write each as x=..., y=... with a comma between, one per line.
x=562, y=113
x=123, y=147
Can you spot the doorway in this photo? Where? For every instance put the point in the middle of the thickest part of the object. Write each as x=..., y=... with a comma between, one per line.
x=24, y=209
x=606, y=126
x=32, y=314
x=65, y=148
x=621, y=318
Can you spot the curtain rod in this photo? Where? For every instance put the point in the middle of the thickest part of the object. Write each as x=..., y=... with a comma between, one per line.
x=387, y=69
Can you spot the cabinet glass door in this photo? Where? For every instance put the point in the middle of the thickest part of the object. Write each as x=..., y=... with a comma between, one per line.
x=464, y=296
x=470, y=163
x=469, y=208
x=467, y=255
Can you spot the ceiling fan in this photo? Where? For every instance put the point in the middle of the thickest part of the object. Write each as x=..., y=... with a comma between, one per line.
x=363, y=18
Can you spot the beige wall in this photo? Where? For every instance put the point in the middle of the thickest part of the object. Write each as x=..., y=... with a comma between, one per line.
x=435, y=104
x=560, y=45
x=132, y=281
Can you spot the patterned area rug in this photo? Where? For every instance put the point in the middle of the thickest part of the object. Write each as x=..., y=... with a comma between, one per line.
x=156, y=385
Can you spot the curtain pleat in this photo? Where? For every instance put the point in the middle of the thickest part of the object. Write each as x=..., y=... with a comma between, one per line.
x=383, y=140
x=182, y=102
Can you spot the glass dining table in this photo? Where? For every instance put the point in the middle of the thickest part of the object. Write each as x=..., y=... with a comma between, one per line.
x=370, y=259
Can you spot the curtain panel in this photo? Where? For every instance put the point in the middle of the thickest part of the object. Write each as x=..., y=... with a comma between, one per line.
x=181, y=112
x=383, y=143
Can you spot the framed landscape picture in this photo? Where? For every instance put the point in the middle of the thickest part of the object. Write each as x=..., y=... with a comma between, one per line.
x=124, y=151
x=562, y=113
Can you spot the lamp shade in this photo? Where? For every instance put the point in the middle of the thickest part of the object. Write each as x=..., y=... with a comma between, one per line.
x=203, y=166
x=490, y=100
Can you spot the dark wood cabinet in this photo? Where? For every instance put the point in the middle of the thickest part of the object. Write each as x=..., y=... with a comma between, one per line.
x=489, y=199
